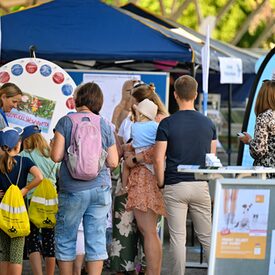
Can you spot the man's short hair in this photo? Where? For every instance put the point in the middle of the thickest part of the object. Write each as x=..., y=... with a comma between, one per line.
x=186, y=87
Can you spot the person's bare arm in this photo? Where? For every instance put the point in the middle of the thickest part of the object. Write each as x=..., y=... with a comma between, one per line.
x=37, y=178
x=112, y=157
x=246, y=138
x=214, y=146
x=145, y=156
x=118, y=109
x=58, y=147
x=159, y=161
x=118, y=145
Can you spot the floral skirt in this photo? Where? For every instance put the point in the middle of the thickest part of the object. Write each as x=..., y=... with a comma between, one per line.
x=143, y=191
x=126, y=249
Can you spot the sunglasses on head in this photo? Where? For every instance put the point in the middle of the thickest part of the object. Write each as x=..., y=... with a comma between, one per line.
x=138, y=84
x=268, y=80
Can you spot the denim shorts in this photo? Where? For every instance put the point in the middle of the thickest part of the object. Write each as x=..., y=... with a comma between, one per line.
x=92, y=205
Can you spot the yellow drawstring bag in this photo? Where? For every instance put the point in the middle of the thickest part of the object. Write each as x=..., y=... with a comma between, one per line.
x=14, y=219
x=44, y=205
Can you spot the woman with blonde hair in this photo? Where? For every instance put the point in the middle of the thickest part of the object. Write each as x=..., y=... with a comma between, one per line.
x=38, y=150
x=10, y=97
x=144, y=197
x=262, y=146
x=142, y=91
x=124, y=260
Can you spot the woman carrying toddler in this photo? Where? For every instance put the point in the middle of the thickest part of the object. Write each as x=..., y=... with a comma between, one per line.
x=143, y=133
x=144, y=196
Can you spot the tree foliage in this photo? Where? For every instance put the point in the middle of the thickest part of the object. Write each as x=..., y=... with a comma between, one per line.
x=239, y=22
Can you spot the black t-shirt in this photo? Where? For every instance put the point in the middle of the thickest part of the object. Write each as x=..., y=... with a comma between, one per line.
x=27, y=164
x=189, y=135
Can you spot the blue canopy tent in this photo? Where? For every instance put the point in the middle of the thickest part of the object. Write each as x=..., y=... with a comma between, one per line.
x=85, y=30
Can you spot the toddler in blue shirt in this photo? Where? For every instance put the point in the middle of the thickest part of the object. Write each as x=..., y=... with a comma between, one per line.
x=143, y=133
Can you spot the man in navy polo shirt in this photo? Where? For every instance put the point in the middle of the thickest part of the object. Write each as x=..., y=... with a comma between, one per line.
x=184, y=138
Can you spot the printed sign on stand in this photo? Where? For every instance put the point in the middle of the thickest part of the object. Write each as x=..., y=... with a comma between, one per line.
x=231, y=70
x=242, y=227
x=47, y=92
x=243, y=239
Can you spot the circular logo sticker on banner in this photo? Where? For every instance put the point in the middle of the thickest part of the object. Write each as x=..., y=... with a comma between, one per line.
x=47, y=93
x=31, y=67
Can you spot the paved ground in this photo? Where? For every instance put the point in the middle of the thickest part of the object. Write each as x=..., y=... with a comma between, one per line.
x=193, y=255
x=193, y=258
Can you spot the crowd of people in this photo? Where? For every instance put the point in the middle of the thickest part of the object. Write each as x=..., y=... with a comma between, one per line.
x=147, y=144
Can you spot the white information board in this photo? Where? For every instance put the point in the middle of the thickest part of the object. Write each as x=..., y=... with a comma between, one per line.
x=111, y=86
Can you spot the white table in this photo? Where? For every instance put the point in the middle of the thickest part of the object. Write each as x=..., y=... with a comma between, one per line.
x=233, y=171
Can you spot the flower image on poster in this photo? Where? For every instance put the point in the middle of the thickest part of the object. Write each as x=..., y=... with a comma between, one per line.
x=33, y=110
x=243, y=221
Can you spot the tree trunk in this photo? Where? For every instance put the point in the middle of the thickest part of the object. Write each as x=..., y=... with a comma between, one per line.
x=268, y=31
x=181, y=8
x=224, y=10
x=199, y=13
x=244, y=27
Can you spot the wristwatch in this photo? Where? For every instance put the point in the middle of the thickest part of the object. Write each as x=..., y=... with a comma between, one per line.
x=134, y=160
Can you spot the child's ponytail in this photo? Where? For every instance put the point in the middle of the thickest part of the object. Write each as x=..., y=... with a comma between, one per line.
x=6, y=161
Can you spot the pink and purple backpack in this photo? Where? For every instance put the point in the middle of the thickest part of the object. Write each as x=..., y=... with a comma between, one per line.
x=85, y=155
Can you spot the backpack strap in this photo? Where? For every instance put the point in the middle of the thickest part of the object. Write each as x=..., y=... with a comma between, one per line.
x=4, y=116
x=19, y=172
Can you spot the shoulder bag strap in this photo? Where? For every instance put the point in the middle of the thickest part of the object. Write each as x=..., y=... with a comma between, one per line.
x=4, y=116
x=19, y=172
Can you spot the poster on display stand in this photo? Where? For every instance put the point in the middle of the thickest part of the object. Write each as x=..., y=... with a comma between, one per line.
x=243, y=228
x=242, y=224
x=47, y=93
